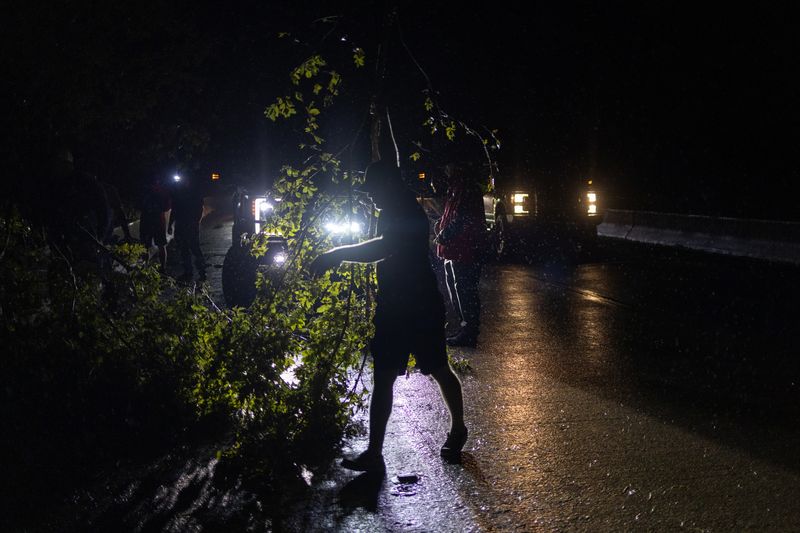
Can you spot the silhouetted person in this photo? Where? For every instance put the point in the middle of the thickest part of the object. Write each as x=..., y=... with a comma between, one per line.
x=460, y=242
x=154, y=204
x=409, y=313
x=75, y=211
x=187, y=211
x=118, y=216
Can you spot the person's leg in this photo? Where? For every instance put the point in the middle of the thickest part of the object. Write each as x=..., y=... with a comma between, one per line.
x=467, y=277
x=184, y=247
x=450, y=278
x=380, y=408
x=450, y=387
x=197, y=252
x=162, y=257
x=145, y=236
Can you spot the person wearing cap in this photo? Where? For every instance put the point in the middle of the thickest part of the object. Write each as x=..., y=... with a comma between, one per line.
x=409, y=314
x=460, y=244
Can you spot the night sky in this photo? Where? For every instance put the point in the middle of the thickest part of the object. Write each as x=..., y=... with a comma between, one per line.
x=670, y=107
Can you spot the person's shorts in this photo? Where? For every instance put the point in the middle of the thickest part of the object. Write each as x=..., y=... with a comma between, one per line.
x=152, y=231
x=395, y=341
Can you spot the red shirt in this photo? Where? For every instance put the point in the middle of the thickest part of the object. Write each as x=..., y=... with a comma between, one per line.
x=462, y=229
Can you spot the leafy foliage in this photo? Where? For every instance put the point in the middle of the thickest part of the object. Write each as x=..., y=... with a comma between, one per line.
x=120, y=349
x=91, y=353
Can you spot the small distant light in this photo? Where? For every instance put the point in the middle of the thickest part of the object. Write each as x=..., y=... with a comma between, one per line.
x=279, y=258
x=589, y=182
x=214, y=176
x=176, y=178
x=592, y=197
x=421, y=176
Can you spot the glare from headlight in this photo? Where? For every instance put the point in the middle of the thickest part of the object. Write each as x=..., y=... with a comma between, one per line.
x=519, y=197
x=176, y=178
x=263, y=207
x=279, y=258
x=592, y=209
x=592, y=197
x=343, y=228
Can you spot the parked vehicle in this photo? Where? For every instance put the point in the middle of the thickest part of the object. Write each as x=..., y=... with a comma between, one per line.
x=532, y=215
x=529, y=214
x=240, y=267
x=252, y=213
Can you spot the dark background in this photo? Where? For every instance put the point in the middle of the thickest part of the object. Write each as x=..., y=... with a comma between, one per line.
x=669, y=107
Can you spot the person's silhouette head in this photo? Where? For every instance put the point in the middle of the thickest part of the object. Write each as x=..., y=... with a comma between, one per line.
x=381, y=181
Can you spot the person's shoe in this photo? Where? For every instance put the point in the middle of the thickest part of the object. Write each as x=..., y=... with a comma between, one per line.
x=463, y=338
x=454, y=444
x=366, y=461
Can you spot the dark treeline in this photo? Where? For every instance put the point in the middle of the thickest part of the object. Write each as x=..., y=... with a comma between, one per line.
x=672, y=108
x=137, y=89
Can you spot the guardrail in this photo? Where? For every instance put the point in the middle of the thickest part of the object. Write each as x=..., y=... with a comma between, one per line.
x=761, y=239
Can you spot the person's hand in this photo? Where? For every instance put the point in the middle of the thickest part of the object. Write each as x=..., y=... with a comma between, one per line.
x=323, y=263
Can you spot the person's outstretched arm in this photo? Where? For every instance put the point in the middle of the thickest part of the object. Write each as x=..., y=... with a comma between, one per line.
x=365, y=252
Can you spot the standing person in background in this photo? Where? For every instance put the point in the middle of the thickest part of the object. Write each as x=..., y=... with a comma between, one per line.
x=187, y=211
x=118, y=216
x=154, y=204
x=460, y=236
x=76, y=213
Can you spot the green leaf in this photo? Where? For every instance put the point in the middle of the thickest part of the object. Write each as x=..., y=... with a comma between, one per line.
x=359, y=57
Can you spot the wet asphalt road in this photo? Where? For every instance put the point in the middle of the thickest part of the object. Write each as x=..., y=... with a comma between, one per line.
x=643, y=389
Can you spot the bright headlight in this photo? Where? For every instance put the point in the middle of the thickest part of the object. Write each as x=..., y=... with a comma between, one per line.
x=279, y=258
x=343, y=228
x=520, y=203
x=591, y=201
x=262, y=208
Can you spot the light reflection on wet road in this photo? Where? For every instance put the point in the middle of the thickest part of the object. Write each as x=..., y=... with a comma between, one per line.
x=589, y=413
